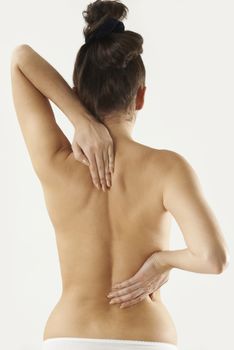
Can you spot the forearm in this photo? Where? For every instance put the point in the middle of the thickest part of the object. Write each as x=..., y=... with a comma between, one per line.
x=184, y=259
x=50, y=83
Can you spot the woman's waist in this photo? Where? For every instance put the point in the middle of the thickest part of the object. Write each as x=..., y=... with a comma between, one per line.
x=76, y=308
x=90, y=317
x=81, y=298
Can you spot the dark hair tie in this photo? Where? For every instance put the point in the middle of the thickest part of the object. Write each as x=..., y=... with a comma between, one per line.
x=108, y=26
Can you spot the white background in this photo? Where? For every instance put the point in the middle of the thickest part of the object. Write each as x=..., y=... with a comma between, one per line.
x=189, y=55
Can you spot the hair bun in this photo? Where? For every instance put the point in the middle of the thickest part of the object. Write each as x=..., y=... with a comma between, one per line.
x=109, y=26
x=114, y=48
x=109, y=70
x=98, y=11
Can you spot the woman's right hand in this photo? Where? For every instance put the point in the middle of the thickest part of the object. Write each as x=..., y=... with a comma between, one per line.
x=149, y=278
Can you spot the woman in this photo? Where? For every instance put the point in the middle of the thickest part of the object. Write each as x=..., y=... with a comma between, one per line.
x=112, y=245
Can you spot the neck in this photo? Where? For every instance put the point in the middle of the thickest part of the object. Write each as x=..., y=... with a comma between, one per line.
x=119, y=127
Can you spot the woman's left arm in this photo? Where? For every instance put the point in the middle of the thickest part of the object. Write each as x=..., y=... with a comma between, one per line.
x=92, y=142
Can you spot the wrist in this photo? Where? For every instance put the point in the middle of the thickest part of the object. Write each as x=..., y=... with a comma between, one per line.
x=79, y=119
x=77, y=113
x=161, y=260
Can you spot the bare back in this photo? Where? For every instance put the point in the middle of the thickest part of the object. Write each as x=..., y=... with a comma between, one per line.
x=104, y=238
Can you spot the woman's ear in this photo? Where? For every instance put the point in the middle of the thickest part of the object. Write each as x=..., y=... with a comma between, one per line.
x=74, y=88
x=140, y=97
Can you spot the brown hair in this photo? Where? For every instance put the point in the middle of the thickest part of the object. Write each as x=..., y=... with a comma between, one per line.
x=108, y=71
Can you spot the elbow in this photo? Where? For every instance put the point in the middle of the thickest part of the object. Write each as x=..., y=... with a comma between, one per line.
x=18, y=52
x=220, y=267
x=219, y=263
x=19, y=48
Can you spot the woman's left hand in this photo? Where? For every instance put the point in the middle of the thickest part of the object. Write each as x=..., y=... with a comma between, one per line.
x=93, y=146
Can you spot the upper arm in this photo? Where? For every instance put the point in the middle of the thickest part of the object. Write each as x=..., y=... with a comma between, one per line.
x=42, y=135
x=184, y=199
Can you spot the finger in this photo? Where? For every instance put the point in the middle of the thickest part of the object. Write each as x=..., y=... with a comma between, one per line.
x=127, y=297
x=101, y=169
x=107, y=172
x=93, y=170
x=111, y=157
x=134, y=301
x=79, y=154
x=118, y=292
x=126, y=283
x=164, y=282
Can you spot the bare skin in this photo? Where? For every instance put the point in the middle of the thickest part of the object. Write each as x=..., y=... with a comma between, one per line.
x=109, y=239
x=104, y=238
x=36, y=80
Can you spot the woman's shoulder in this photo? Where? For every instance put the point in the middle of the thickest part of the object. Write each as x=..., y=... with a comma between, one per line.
x=167, y=161
x=167, y=156
x=173, y=157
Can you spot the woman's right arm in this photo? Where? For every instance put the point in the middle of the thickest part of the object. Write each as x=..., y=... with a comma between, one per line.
x=206, y=250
